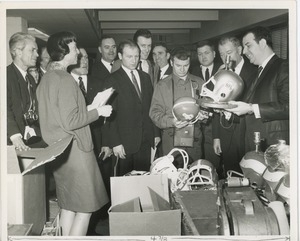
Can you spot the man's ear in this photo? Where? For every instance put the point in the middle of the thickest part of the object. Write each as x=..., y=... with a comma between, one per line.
x=168, y=55
x=99, y=48
x=262, y=43
x=120, y=56
x=171, y=62
x=240, y=49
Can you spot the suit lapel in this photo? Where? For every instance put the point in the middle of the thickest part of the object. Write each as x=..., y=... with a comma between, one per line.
x=128, y=82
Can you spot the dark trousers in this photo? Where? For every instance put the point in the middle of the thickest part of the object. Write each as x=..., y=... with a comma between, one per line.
x=139, y=161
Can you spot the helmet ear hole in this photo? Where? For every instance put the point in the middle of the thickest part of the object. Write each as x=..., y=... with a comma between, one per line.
x=227, y=86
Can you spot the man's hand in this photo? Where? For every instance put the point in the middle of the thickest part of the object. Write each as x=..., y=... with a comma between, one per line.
x=180, y=124
x=217, y=147
x=19, y=144
x=107, y=152
x=241, y=109
x=119, y=151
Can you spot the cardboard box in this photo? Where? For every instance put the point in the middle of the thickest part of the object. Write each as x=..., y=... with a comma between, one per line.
x=141, y=206
x=26, y=192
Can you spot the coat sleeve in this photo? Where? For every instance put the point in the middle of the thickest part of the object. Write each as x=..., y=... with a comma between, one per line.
x=279, y=109
x=72, y=115
x=160, y=111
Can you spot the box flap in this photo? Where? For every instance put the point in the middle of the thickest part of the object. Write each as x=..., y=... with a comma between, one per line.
x=133, y=205
x=128, y=187
x=48, y=154
x=159, y=203
x=12, y=161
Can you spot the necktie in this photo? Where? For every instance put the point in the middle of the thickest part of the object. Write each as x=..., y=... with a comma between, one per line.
x=30, y=90
x=111, y=65
x=206, y=74
x=158, y=75
x=254, y=82
x=140, y=65
x=81, y=86
x=136, y=86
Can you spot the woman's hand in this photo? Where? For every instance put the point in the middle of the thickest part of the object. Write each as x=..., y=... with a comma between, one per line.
x=104, y=110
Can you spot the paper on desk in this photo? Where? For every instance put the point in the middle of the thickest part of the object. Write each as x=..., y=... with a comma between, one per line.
x=102, y=97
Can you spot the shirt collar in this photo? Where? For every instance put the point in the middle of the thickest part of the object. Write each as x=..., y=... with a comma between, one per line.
x=181, y=79
x=23, y=73
x=210, y=67
x=238, y=68
x=106, y=64
x=267, y=60
x=164, y=69
x=128, y=71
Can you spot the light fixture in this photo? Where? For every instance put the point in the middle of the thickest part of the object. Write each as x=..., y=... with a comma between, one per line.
x=38, y=34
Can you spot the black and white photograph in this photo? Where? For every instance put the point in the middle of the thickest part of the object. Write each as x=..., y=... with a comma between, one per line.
x=149, y=120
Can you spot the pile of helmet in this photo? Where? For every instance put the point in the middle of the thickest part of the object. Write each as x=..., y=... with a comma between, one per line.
x=269, y=170
x=201, y=174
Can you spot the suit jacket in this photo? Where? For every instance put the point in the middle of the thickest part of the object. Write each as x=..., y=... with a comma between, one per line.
x=156, y=73
x=196, y=70
x=231, y=137
x=118, y=63
x=130, y=122
x=271, y=93
x=18, y=102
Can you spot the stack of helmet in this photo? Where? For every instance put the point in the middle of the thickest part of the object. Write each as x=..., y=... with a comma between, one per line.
x=201, y=174
x=269, y=170
x=164, y=165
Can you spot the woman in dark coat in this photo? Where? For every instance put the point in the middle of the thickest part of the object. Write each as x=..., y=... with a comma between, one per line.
x=63, y=112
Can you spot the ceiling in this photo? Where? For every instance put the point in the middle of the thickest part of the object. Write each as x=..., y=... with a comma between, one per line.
x=90, y=24
x=174, y=26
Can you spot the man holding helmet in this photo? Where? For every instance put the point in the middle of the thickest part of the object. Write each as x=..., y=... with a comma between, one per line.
x=179, y=84
x=227, y=140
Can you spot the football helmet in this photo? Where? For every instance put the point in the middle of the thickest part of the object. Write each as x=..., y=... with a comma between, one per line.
x=227, y=86
x=283, y=188
x=186, y=109
x=253, y=166
x=164, y=165
x=273, y=177
x=201, y=174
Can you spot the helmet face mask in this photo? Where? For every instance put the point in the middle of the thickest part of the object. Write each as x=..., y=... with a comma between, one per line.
x=164, y=165
x=228, y=86
x=202, y=175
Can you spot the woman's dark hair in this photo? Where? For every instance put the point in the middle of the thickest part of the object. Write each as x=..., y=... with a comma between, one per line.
x=57, y=45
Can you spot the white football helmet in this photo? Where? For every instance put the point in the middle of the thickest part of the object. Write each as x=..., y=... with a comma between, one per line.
x=227, y=86
x=202, y=174
x=164, y=165
x=253, y=166
x=186, y=109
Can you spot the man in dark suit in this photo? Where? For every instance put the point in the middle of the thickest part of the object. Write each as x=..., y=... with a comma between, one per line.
x=22, y=117
x=266, y=103
x=101, y=69
x=104, y=64
x=227, y=139
x=143, y=38
x=206, y=68
x=161, y=56
x=131, y=132
x=43, y=61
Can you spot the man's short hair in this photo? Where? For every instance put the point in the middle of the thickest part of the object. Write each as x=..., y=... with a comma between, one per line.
x=203, y=43
x=162, y=44
x=105, y=36
x=18, y=40
x=128, y=43
x=232, y=39
x=180, y=53
x=261, y=33
x=142, y=32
